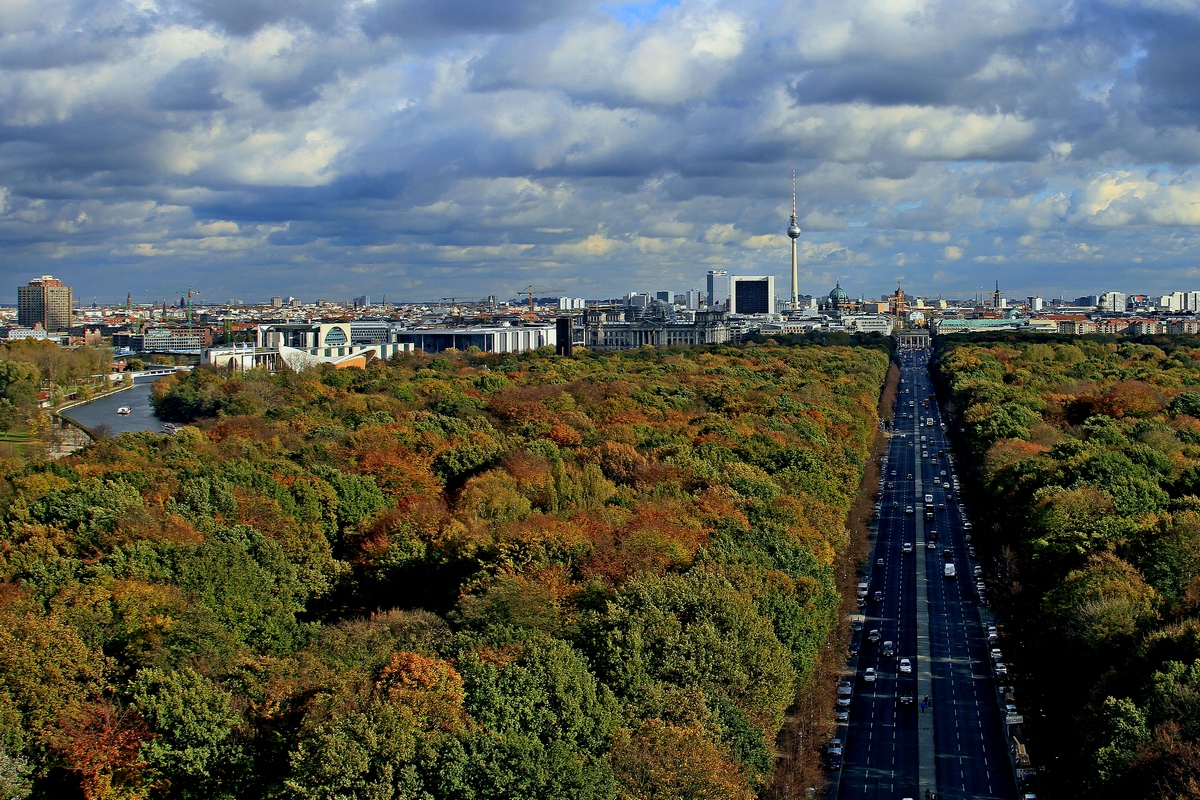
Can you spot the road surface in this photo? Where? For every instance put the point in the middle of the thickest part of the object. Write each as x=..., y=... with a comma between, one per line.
x=954, y=747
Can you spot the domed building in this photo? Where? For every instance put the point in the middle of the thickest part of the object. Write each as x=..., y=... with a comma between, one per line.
x=838, y=299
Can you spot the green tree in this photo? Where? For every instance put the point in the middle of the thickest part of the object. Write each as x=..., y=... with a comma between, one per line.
x=195, y=750
x=1121, y=730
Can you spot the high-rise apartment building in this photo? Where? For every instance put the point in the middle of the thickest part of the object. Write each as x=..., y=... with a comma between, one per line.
x=44, y=302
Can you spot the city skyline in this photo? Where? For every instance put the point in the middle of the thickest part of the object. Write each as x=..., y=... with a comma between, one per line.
x=416, y=149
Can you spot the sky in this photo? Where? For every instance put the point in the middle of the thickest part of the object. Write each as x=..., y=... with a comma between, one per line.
x=419, y=149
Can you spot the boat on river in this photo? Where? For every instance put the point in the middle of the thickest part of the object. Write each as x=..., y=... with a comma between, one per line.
x=124, y=410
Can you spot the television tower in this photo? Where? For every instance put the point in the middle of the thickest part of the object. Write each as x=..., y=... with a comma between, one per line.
x=794, y=232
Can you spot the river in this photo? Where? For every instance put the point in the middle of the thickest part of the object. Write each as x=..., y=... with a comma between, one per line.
x=103, y=411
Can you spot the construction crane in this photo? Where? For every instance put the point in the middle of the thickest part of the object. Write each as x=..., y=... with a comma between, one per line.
x=530, y=289
x=189, y=292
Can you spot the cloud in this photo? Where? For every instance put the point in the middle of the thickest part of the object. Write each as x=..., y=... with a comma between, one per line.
x=444, y=146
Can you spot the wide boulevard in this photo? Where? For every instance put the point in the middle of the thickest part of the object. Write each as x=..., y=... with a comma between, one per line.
x=936, y=731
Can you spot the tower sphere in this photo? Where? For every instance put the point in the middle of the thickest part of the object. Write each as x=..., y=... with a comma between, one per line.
x=794, y=229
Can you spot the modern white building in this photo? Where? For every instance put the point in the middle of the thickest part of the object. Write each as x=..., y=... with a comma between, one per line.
x=493, y=339
x=869, y=323
x=1112, y=302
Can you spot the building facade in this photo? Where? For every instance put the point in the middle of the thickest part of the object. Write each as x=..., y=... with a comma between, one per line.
x=608, y=330
x=718, y=290
x=44, y=302
x=164, y=340
x=751, y=294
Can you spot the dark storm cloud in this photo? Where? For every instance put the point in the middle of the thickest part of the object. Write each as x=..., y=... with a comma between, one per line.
x=1170, y=72
x=432, y=17
x=923, y=81
x=245, y=17
x=191, y=86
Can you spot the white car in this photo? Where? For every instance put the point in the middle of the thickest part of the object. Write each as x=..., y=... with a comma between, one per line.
x=869, y=675
x=907, y=547
x=905, y=666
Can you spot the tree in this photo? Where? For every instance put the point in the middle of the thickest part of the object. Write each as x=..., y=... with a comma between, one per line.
x=693, y=630
x=1104, y=604
x=194, y=749
x=1121, y=730
x=660, y=760
x=102, y=745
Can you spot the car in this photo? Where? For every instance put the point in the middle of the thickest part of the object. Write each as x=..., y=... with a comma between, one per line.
x=907, y=547
x=895, y=504
x=1001, y=669
x=945, y=486
x=887, y=649
x=873, y=637
x=844, y=700
x=905, y=666
x=845, y=687
x=967, y=538
x=947, y=553
x=852, y=649
x=869, y=675
x=835, y=747
x=993, y=638
x=906, y=698
x=967, y=525
x=1011, y=709
x=978, y=571
x=932, y=545
x=891, y=484
x=877, y=597
x=910, y=476
x=943, y=473
x=971, y=552
x=996, y=654
x=842, y=715
x=861, y=602
x=879, y=562
x=908, y=509
x=893, y=473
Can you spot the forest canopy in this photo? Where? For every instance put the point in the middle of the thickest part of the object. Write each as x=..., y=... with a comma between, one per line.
x=1087, y=453
x=467, y=576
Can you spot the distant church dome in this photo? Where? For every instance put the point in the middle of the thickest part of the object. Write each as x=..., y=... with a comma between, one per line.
x=838, y=296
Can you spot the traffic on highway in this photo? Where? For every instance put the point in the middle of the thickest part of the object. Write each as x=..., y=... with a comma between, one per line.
x=921, y=706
